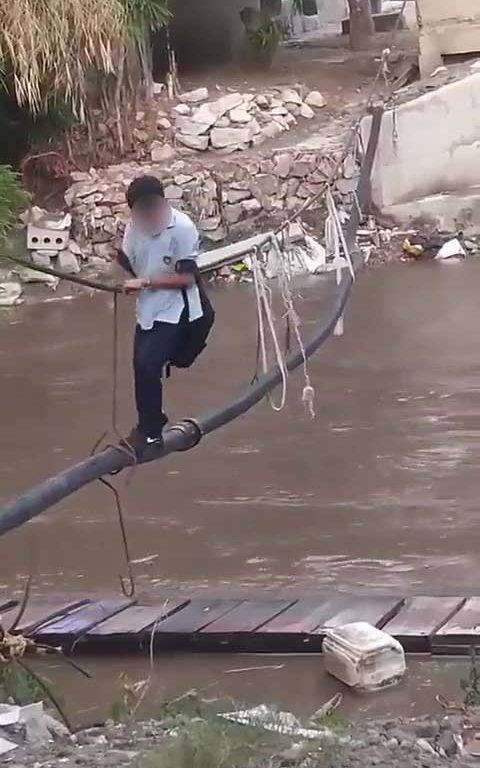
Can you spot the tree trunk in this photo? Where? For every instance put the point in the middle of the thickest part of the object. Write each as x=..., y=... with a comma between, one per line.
x=361, y=24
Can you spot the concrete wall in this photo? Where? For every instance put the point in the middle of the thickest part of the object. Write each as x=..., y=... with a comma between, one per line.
x=329, y=12
x=437, y=153
x=448, y=27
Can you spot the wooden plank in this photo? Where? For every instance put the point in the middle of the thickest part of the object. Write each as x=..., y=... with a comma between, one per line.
x=345, y=609
x=420, y=619
x=302, y=618
x=135, y=619
x=81, y=621
x=463, y=629
x=248, y=616
x=198, y=615
x=40, y=610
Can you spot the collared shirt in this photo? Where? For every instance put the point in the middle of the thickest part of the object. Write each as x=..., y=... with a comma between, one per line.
x=154, y=256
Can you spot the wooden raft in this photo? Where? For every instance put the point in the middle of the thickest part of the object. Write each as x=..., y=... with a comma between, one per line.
x=430, y=625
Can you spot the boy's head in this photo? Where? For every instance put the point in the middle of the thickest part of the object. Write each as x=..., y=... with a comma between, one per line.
x=146, y=200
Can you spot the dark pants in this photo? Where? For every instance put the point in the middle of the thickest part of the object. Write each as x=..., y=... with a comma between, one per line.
x=153, y=349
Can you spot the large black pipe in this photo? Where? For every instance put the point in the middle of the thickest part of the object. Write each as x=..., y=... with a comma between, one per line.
x=185, y=435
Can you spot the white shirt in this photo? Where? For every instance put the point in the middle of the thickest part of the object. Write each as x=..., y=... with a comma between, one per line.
x=154, y=256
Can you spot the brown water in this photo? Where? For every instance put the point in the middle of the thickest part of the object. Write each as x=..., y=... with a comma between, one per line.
x=379, y=493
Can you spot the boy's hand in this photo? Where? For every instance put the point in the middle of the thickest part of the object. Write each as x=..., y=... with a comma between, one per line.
x=136, y=284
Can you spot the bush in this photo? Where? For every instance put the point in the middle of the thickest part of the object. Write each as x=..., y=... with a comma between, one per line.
x=13, y=199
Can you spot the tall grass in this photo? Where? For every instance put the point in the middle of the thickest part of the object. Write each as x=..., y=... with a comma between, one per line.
x=13, y=199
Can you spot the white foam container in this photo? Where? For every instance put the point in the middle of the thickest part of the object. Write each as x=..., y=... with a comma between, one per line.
x=363, y=657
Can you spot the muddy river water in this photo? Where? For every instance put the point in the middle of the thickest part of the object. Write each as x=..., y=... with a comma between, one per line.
x=379, y=493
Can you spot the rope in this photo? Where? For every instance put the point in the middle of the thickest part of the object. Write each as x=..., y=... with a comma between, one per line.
x=264, y=310
x=293, y=320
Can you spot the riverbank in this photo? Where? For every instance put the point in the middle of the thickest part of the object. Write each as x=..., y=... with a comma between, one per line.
x=202, y=739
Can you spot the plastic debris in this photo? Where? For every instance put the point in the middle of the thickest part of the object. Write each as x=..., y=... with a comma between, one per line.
x=451, y=249
x=363, y=657
x=10, y=294
x=6, y=746
x=268, y=718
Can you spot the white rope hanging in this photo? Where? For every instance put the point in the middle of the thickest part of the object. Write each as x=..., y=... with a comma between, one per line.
x=264, y=308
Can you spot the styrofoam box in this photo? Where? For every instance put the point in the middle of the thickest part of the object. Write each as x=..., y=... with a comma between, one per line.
x=42, y=238
x=363, y=657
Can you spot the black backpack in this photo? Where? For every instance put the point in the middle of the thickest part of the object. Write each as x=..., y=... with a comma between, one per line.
x=194, y=334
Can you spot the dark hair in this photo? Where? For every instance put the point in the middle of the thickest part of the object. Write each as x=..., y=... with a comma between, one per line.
x=143, y=188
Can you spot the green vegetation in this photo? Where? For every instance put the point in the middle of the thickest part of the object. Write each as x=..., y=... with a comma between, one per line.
x=13, y=199
x=471, y=685
x=18, y=685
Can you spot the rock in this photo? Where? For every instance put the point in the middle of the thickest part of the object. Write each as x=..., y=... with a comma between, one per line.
x=270, y=131
x=139, y=117
x=251, y=207
x=283, y=122
x=262, y=101
x=173, y=192
x=67, y=262
x=290, y=96
x=254, y=127
x=104, y=251
x=350, y=167
x=10, y=294
x=164, y=123
x=347, y=186
x=300, y=169
x=424, y=746
x=233, y=213
x=283, y=164
x=238, y=195
x=43, y=258
x=182, y=179
x=229, y=137
x=227, y=103
x=210, y=224
x=293, y=109
x=296, y=753
x=36, y=731
x=239, y=115
x=448, y=743
x=161, y=153
x=266, y=184
x=205, y=115
x=194, y=97
x=57, y=729
x=158, y=88
x=182, y=109
x=279, y=111
x=223, y=122
x=392, y=743
x=315, y=99
x=211, y=112
x=307, y=112
x=74, y=247
x=290, y=120
x=194, y=142
x=190, y=127
x=426, y=730
x=216, y=236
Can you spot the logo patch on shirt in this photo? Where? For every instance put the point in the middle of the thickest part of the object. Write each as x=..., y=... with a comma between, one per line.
x=167, y=260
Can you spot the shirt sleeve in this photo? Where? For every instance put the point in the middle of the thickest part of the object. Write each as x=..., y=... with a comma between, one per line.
x=186, y=243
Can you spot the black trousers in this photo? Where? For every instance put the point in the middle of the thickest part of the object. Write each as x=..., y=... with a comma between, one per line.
x=153, y=349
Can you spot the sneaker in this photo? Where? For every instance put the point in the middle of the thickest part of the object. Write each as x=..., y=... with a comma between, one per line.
x=141, y=445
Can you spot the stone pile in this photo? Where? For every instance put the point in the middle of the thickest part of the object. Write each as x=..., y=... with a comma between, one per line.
x=237, y=121
x=227, y=201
